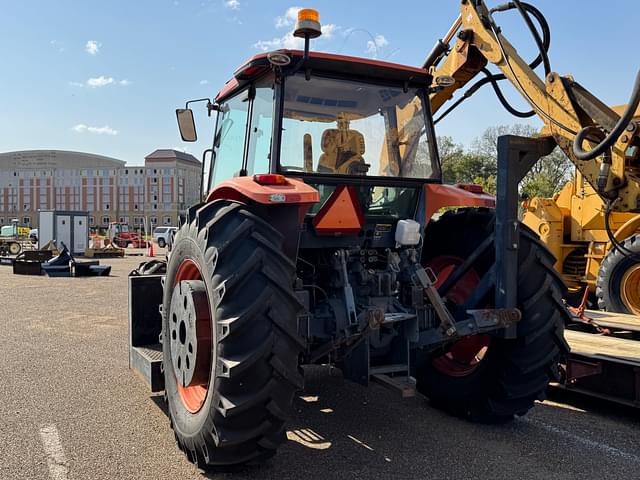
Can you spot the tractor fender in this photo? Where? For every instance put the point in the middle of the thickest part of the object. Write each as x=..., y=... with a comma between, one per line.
x=625, y=231
x=440, y=195
x=247, y=190
x=282, y=206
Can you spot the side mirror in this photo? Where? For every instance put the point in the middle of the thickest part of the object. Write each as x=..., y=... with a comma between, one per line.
x=186, y=124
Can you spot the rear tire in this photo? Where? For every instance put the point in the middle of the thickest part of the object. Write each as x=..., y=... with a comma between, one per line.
x=254, y=347
x=618, y=283
x=512, y=374
x=15, y=248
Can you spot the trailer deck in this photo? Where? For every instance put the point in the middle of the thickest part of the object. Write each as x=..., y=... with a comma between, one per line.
x=608, y=366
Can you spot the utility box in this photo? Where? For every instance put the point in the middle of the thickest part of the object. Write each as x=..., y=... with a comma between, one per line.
x=70, y=228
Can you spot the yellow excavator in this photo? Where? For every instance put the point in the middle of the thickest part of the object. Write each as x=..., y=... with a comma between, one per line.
x=591, y=226
x=572, y=226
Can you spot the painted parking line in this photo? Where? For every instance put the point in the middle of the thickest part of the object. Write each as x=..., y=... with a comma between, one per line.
x=56, y=460
x=587, y=442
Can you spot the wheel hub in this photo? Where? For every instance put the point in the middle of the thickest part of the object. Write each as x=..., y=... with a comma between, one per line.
x=190, y=333
x=631, y=289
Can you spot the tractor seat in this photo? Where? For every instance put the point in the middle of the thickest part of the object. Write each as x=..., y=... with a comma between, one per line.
x=342, y=152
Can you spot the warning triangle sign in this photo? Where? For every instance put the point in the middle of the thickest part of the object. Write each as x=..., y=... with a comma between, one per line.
x=341, y=214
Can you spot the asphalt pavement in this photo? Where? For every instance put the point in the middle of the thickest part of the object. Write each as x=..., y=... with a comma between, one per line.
x=71, y=409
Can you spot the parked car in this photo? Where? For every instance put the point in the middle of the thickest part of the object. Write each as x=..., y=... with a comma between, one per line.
x=162, y=235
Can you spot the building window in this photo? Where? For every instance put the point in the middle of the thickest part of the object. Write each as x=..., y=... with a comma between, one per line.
x=154, y=220
x=26, y=220
x=155, y=206
x=124, y=219
x=106, y=220
x=92, y=220
x=106, y=207
x=167, y=220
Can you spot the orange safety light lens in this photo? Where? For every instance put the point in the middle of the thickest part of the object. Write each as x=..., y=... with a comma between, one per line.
x=270, y=179
x=308, y=14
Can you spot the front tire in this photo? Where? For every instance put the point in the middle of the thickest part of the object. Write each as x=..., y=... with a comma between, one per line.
x=489, y=378
x=618, y=283
x=236, y=410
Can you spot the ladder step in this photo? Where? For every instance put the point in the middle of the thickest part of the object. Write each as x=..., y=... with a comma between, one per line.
x=405, y=385
x=146, y=360
x=382, y=369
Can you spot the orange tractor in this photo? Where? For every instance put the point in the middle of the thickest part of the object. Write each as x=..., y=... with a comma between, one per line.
x=317, y=243
x=120, y=235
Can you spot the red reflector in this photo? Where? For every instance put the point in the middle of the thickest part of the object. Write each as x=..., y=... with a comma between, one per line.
x=270, y=179
x=471, y=187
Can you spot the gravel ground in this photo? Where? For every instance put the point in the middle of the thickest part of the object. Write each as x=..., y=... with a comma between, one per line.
x=64, y=365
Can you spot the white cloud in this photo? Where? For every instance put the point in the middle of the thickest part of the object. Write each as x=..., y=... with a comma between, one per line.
x=92, y=47
x=374, y=46
x=204, y=82
x=288, y=41
x=100, y=81
x=57, y=44
x=106, y=130
x=289, y=18
x=328, y=30
x=232, y=4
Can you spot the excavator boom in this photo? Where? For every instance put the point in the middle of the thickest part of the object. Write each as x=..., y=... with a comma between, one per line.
x=571, y=114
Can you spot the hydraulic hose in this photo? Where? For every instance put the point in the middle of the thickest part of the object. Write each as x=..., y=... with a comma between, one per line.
x=616, y=244
x=613, y=136
x=543, y=46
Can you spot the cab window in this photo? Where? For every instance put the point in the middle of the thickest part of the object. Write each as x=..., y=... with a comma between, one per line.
x=261, y=128
x=229, y=138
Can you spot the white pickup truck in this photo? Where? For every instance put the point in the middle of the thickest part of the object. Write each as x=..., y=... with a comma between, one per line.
x=162, y=235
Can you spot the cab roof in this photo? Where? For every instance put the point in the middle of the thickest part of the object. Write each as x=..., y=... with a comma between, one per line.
x=364, y=68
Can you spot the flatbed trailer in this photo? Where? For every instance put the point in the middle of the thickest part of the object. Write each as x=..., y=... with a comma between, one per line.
x=605, y=366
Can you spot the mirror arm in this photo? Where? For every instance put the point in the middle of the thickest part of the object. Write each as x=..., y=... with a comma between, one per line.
x=210, y=105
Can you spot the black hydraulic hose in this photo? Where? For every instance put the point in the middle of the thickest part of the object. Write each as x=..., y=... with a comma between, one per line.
x=613, y=136
x=616, y=244
x=503, y=100
x=489, y=78
x=543, y=45
x=535, y=35
x=544, y=26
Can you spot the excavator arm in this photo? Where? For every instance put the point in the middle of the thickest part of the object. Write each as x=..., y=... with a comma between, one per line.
x=573, y=116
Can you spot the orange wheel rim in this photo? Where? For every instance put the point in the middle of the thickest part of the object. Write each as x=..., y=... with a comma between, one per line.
x=631, y=289
x=466, y=354
x=192, y=396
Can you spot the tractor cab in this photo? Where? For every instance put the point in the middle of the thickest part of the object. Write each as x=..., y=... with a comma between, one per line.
x=332, y=121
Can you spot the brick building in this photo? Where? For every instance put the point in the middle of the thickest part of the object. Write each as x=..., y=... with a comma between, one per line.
x=107, y=188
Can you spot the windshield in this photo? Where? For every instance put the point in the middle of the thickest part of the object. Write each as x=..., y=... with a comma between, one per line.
x=342, y=127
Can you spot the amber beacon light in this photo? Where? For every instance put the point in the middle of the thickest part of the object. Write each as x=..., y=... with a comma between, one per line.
x=308, y=24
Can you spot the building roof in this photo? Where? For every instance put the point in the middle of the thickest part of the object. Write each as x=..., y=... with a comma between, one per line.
x=42, y=159
x=170, y=154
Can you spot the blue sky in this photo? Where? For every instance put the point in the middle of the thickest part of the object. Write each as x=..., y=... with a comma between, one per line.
x=106, y=76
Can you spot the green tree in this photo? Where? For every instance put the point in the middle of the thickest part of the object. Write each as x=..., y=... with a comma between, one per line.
x=545, y=178
x=479, y=163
